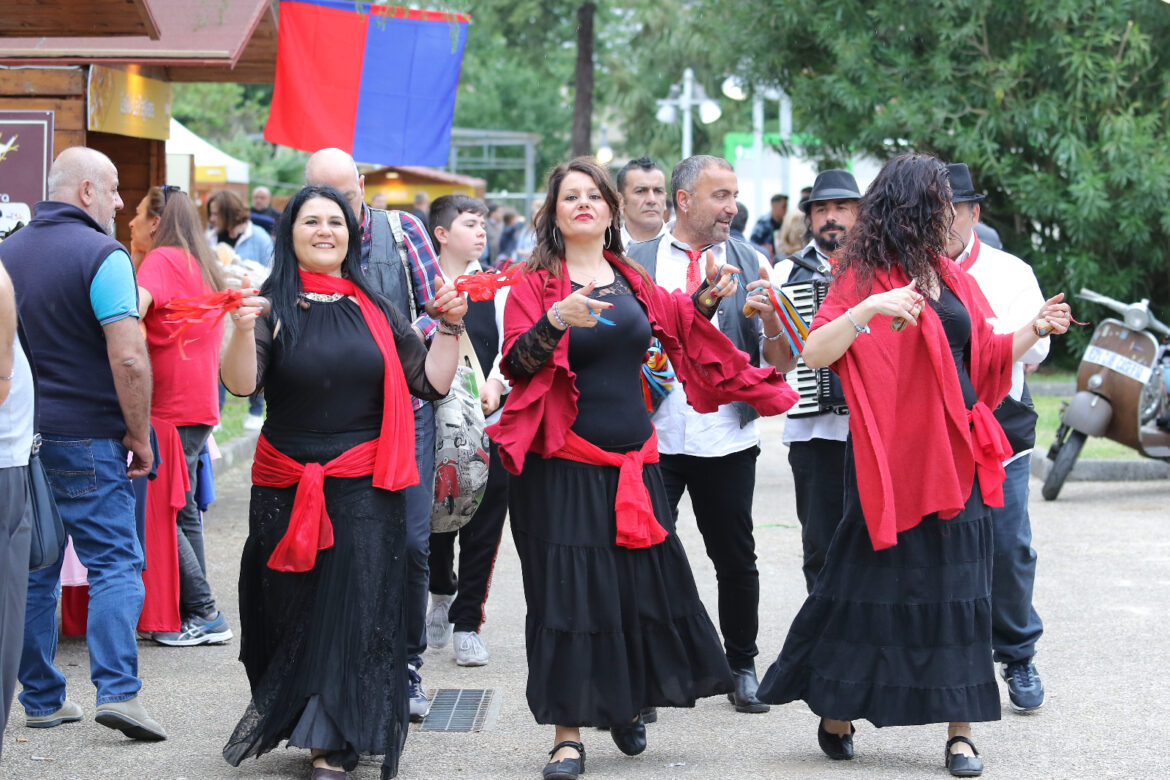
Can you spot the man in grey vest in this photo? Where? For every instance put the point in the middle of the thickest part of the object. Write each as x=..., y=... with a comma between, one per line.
x=816, y=443
x=76, y=292
x=713, y=456
x=398, y=259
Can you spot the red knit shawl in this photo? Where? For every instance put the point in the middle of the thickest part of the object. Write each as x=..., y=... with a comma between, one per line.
x=542, y=407
x=912, y=437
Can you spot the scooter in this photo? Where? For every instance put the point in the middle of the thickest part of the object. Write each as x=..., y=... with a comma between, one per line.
x=1123, y=390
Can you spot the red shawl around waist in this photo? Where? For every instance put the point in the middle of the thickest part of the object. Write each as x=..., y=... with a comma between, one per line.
x=542, y=407
x=915, y=445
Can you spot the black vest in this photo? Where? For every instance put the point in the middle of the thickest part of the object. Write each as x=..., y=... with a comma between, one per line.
x=385, y=271
x=52, y=262
x=744, y=333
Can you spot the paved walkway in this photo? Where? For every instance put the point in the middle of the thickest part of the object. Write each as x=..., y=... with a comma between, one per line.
x=1103, y=591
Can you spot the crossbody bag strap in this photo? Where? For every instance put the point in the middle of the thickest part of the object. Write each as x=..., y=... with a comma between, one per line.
x=395, y=221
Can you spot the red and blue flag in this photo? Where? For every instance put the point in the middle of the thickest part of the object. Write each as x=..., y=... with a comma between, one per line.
x=377, y=81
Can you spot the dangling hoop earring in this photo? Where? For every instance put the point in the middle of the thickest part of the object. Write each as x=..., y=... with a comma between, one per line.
x=556, y=236
x=608, y=234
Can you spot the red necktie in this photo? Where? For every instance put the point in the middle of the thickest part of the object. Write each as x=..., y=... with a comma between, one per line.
x=694, y=275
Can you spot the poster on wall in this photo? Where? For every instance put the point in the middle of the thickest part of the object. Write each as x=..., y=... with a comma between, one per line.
x=26, y=152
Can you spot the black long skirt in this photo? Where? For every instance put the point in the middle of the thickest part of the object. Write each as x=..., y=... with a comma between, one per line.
x=609, y=630
x=325, y=649
x=900, y=636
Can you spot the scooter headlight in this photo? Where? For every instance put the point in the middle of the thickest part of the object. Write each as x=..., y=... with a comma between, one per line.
x=1137, y=316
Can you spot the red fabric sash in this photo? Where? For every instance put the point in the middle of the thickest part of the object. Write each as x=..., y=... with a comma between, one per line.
x=309, y=526
x=636, y=524
x=394, y=467
x=989, y=445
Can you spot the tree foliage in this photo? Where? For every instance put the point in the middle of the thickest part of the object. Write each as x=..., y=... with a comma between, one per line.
x=1060, y=108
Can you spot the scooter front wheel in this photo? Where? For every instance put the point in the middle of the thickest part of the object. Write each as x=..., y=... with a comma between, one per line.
x=1066, y=458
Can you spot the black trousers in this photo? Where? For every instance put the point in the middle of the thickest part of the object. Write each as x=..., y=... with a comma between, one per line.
x=479, y=541
x=818, y=469
x=15, y=516
x=721, y=491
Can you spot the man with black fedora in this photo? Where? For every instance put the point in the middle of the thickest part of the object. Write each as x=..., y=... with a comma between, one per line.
x=816, y=443
x=1014, y=295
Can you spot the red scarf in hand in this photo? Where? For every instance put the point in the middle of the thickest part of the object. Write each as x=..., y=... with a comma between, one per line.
x=916, y=448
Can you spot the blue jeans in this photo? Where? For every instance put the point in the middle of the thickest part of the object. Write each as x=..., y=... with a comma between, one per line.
x=420, y=499
x=97, y=506
x=1015, y=626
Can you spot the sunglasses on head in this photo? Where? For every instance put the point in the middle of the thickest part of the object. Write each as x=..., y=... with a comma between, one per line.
x=167, y=189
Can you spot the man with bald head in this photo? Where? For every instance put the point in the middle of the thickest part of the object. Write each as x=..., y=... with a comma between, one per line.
x=399, y=261
x=78, y=300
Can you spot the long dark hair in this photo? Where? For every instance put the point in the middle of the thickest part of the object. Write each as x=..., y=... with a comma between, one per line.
x=283, y=285
x=903, y=221
x=550, y=244
x=179, y=227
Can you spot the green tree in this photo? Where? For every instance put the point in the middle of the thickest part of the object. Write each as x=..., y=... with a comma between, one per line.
x=1060, y=108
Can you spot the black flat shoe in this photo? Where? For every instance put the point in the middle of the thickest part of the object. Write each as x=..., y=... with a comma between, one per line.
x=836, y=747
x=744, y=696
x=649, y=714
x=566, y=768
x=630, y=737
x=961, y=765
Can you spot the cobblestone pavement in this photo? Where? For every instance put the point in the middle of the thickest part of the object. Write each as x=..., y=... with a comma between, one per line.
x=1104, y=579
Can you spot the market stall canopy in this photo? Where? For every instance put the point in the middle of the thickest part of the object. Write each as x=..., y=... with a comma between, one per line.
x=198, y=41
x=211, y=164
x=89, y=18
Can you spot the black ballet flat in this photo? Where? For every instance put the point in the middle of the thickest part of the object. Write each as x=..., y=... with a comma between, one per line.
x=566, y=768
x=961, y=765
x=630, y=737
x=836, y=747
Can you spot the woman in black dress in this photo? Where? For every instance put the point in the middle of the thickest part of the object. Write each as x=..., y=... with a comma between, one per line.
x=321, y=579
x=897, y=629
x=614, y=621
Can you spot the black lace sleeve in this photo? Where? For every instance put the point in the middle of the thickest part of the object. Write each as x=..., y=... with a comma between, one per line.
x=412, y=353
x=533, y=349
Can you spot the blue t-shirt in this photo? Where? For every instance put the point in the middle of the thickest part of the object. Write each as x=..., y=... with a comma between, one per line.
x=113, y=293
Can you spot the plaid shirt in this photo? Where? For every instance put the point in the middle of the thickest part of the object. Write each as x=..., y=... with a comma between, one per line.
x=424, y=267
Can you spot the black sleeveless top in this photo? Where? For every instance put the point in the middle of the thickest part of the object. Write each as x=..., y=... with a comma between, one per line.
x=956, y=324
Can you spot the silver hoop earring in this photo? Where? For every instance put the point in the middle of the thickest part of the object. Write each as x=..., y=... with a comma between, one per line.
x=608, y=234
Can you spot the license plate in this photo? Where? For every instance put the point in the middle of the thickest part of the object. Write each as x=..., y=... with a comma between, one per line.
x=1119, y=363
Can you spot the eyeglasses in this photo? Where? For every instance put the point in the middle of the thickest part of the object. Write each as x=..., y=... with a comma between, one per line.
x=167, y=189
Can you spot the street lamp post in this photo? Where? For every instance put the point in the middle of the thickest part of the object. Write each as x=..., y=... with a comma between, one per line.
x=684, y=99
x=733, y=88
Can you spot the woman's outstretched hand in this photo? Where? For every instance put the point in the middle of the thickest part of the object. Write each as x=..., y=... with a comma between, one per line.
x=721, y=281
x=1055, y=316
x=450, y=304
x=578, y=310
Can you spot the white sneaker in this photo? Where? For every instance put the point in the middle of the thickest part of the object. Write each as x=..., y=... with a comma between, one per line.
x=419, y=704
x=254, y=422
x=470, y=649
x=439, y=627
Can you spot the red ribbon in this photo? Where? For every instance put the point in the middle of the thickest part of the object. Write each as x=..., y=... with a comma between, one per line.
x=188, y=312
x=484, y=285
x=636, y=524
x=309, y=526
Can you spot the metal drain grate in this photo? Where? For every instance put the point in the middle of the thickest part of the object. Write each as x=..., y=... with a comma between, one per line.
x=462, y=709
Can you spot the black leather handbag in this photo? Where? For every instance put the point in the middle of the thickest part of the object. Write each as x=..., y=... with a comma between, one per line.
x=1018, y=420
x=47, y=530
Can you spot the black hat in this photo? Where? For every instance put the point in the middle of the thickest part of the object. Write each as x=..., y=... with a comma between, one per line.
x=834, y=184
x=962, y=189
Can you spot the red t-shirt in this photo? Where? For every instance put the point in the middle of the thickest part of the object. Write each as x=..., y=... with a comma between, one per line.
x=184, y=385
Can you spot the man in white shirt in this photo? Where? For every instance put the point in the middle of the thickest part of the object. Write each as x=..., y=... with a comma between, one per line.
x=816, y=443
x=1014, y=295
x=713, y=456
x=641, y=187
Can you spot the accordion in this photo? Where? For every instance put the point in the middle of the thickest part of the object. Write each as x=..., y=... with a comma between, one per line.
x=820, y=389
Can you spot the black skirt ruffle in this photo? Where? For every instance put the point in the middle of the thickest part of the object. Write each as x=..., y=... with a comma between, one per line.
x=609, y=630
x=335, y=634
x=900, y=636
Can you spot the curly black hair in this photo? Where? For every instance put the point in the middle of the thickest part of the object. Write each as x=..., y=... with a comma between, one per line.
x=902, y=220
